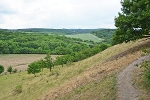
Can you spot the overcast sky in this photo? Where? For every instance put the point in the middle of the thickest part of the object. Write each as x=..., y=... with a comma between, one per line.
x=15, y=14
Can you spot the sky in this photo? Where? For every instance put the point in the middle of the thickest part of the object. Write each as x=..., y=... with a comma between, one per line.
x=16, y=14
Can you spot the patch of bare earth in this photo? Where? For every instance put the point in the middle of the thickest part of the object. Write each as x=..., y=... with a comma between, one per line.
x=20, y=61
x=115, y=63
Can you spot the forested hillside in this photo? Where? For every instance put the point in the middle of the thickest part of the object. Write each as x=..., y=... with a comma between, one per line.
x=105, y=34
x=34, y=43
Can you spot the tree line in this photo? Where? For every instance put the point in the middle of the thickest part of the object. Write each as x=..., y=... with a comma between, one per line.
x=48, y=62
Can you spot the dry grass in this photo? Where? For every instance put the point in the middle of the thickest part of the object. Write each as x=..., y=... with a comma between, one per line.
x=97, y=69
x=75, y=80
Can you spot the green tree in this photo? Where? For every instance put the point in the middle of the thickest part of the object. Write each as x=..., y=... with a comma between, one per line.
x=9, y=69
x=1, y=69
x=133, y=22
x=34, y=68
x=49, y=62
x=41, y=63
x=60, y=60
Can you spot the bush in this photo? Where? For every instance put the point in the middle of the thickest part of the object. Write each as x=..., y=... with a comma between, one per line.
x=1, y=69
x=9, y=69
x=14, y=70
x=18, y=89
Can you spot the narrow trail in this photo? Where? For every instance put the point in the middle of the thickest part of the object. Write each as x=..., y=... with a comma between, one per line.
x=125, y=88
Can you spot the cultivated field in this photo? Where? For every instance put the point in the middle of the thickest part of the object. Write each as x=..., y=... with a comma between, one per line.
x=86, y=37
x=20, y=61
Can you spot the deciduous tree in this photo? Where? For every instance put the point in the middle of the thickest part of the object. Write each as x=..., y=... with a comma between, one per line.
x=33, y=68
x=49, y=62
x=133, y=22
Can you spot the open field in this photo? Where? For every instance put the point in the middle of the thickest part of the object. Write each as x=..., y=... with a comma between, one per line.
x=20, y=61
x=85, y=37
x=92, y=78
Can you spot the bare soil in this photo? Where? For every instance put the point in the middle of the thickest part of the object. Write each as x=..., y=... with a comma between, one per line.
x=20, y=61
x=126, y=90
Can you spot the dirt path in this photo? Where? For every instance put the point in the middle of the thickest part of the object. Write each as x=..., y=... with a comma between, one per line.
x=125, y=89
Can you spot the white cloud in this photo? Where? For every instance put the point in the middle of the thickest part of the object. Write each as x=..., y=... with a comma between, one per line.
x=58, y=13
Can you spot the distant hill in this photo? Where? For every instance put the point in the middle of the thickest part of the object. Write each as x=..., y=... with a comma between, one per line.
x=47, y=30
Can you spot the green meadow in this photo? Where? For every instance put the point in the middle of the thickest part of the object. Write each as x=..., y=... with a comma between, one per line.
x=85, y=37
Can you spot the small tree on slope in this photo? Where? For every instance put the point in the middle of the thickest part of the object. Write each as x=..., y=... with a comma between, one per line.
x=49, y=62
x=33, y=68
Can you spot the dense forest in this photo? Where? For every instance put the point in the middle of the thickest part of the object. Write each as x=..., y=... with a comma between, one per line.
x=34, y=43
x=13, y=42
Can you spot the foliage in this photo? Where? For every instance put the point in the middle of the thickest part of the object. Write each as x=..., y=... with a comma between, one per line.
x=77, y=56
x=36, y=43
x=9, y=69
x=41, y=63
x=1, y=69
x=33, y=68
x=133, y=22
x=49, y=62
x=105, y=34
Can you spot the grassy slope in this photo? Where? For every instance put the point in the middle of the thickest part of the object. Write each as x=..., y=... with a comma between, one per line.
x=87, y=79
x=86, y=37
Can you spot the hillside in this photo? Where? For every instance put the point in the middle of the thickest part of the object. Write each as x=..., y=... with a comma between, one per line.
x=92, y=78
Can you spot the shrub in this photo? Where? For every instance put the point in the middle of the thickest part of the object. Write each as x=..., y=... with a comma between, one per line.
x=9, y=69
x=14, y=70
x=18, y=89
x=1, y=69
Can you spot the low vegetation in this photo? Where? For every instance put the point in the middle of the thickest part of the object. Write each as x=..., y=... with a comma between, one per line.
x=9, y=69
x=146, y=65
x=141, y=80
